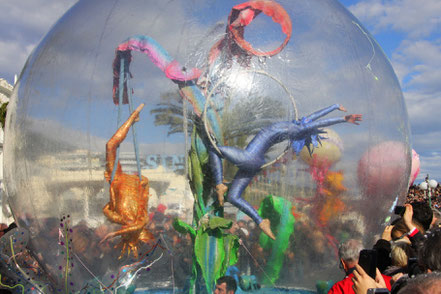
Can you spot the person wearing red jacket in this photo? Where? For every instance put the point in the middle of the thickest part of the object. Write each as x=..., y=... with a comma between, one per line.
x=349, y=253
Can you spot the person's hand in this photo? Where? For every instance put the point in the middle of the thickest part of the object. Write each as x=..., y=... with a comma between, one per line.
x=395, y=278
x=407, y=217
x=387, y=233
x=341, y=108
x=353, y=118
x=379, y=280
x=363, y=282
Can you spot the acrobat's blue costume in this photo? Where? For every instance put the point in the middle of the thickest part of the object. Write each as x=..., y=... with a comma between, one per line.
x=250, y=161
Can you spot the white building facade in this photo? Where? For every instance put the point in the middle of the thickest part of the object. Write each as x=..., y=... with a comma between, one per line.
x=5, y=93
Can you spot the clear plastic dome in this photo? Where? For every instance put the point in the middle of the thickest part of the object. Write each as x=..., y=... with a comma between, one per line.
x=65, y=109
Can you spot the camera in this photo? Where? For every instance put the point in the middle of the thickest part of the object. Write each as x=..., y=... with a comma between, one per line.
x=399, y=210
x=378, y=291
x=413, y=267
x=368, y=261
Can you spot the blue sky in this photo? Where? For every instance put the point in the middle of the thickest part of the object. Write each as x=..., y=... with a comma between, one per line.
x=409, y=31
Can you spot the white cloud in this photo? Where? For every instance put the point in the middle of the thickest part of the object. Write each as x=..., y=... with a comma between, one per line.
x=422, y=51
x=23, y=24
x=426, y=141
x=12, y=55
x=33, y=15
x=416, y=18
x=419, y=64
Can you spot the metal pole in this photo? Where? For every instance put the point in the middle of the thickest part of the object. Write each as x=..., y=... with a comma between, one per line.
x=429, y=193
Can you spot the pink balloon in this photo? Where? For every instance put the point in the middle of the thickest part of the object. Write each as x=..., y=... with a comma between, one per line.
x=382, y=169
x=415, y=167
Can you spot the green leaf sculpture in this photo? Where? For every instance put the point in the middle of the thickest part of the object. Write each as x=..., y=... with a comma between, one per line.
x=278, y=211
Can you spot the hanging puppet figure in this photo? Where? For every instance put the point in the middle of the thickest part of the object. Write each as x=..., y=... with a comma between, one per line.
x=250, y=160
x=128, y=195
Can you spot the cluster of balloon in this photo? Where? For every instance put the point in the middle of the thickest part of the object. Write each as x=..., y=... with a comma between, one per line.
x=84, y=153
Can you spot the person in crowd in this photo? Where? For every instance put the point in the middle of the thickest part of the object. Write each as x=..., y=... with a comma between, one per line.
x=383, y=248
x=429, y=261
x=423, y=214
x=400, y=230
x=430, y=253
x=423, y=284
x=414, y=234
x=225, y=285
x=362, y=282
x=400, y=254
x=436, y=221
x=349, y=253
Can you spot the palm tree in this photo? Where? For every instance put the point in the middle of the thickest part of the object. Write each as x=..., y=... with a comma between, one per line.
x=170, y=112
x=260, y=111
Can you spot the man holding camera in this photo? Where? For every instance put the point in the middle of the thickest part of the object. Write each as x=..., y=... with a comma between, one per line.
x=349, y=253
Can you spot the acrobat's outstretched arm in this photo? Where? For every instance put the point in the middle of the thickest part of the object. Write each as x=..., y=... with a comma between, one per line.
x=352, y=118
x=324, y=111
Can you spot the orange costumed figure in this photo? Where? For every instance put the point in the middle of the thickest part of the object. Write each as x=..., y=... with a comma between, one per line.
x=128, y=196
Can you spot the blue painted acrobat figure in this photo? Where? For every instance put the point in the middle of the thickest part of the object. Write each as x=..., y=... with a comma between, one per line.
x=300, y=133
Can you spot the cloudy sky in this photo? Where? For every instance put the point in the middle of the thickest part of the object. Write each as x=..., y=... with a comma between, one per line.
x=409, y=31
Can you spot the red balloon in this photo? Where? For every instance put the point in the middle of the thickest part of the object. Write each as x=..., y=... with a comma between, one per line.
x=382, y=170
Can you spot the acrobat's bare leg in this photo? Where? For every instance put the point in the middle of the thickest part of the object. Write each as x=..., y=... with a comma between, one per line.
x=239, y=184
x=221, y=189
x=217, y=172
x=117, y=138
x=265, y=226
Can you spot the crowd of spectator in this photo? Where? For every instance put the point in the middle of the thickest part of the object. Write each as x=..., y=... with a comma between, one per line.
x=408, y=252
x=418, y=195
x=406, y=259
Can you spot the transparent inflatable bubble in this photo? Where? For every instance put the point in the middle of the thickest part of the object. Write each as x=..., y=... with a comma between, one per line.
x=224, y=93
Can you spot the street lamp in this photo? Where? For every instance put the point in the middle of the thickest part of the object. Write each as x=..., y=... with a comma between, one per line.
x=428, y=185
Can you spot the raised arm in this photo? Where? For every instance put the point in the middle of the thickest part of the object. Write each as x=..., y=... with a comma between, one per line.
x=324, y=111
